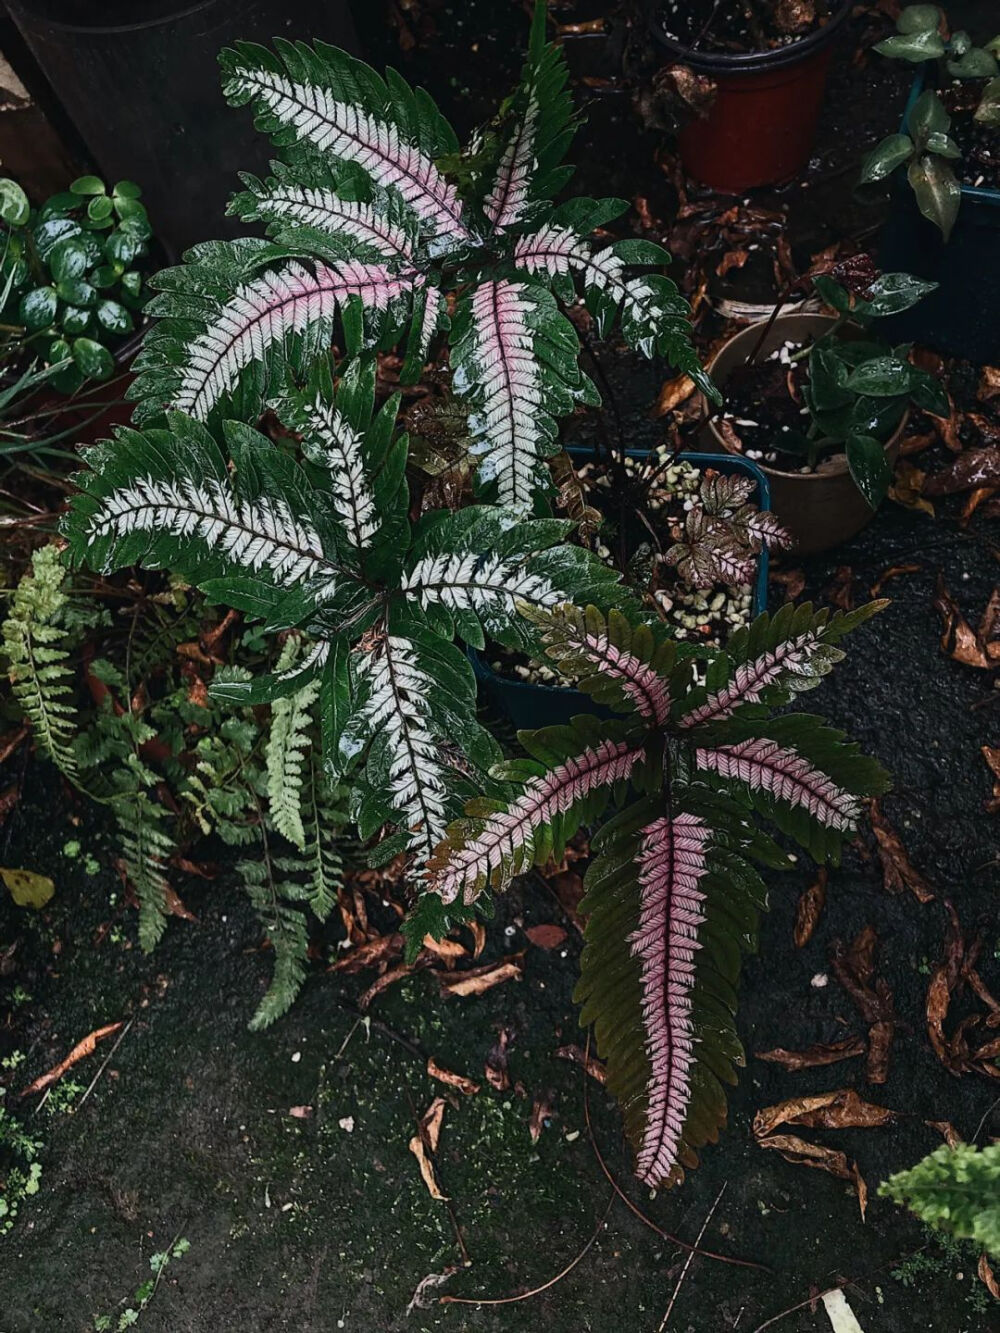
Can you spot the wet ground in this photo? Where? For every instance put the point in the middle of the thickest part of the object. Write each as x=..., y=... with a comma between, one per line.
x=282, y=1157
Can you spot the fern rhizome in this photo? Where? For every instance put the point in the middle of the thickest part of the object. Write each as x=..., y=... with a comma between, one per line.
x=382, y=231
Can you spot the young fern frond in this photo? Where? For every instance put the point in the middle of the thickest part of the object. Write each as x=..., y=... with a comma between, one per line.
x=286, y=753
x=38, y=662
x=275, y=896
x=146, y=848
x=672, y=896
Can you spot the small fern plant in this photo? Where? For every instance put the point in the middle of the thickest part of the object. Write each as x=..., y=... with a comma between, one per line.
x=955, y=1190
x=318, y=538
x=376, y=215
x=672, y=895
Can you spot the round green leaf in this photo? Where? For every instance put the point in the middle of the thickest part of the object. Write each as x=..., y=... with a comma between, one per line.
x=113, y=318
x=121, y=248
x=893, y=292
x=15, y=272
x=975, y=64
x=68, y=259
x=127, y=189
x=132, y=282
x=58, y=350
x=137, y=226
x=104, y=276
x=881, y=377
x=960, y=43
x=988, y=111
x=885, y=157
x=14, y=206
x=916, y=47
x=869, y=467
x=37, y=308
x=74, y=320
x=918, y=18
x=943, y=145
x=928, y=116
x=130, y=208
x=86, y=185
x=92, y=360
x=937, y=191
x=47, y=233
x=76, y=291
x=99, y=208
x=58, y=205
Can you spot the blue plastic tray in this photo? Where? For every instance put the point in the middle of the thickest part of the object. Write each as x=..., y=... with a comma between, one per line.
x=529, y=706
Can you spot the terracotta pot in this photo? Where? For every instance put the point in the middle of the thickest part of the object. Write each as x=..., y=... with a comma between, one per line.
x=760, y=128
x=820, y=509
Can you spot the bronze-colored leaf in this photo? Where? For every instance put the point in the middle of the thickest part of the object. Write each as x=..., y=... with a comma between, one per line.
x=972, y=467
x=987, y=1277
x=672, y=393
x=802, y=1153
x=821, y=1053
x=541, y=1111
x=841, y=1109
x=496, y=1067
x=82, y=1049
x=579, y=1056
x=467, y=1086
x=546, y=936
x=809, y=908
x=424, y=1144
x=898, y=872
x=478, y=980
x=382, y=949
x=893, y=572
x=947, y=1131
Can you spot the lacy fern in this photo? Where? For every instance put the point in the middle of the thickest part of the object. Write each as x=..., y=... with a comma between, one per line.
x=672, y=895
x=325, y=545
x=376, y=218
x=955, y=1190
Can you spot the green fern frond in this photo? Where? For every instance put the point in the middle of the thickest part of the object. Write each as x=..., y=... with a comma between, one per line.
x=146, y=847
x=956, y=1190
x=287, y=743
x=324, y=812
x=274, y=898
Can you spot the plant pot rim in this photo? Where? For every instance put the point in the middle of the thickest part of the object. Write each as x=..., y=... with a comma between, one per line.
x=750, y=62
x=758, y=598
x=837, y=462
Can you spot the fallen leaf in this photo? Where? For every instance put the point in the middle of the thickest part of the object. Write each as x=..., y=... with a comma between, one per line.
x=987, y=1277
x=11, y=740
x=459, y=1081
x=821, y=1053
x=936, y=1006
x=808, y=910
x=478, y=932
x=893, y=572
x=973, y=467
x=27, y=888
x=898, y=872
x=973, y=500
x=989, y=383
x=541, y=1111
x=732, y=259
x=988, y=631
x=792, y=580
x=424, y=1144
x=580, y=1057
x=958, y=639
x=840, y=591
x=801, y=1153
x=175, y=907
x=478, y=980
x=880, y=1036
x=842, y=1109
x=907, y=488
x=9, y=797
x=855, y=970
x=449, y=951
x=386, y=980
x=496, y=1064
x=947, y=1131
x=548, y=936
x=369, y=954
x=79, y=1052
x=672, y=392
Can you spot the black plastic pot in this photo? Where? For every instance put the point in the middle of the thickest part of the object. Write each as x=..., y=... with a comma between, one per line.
x=961, y=318
x=529, y=706
x=139, y=79
x=760, y=128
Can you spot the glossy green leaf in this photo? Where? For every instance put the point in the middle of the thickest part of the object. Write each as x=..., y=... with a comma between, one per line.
x=77, y=291
x=132, y=282
x=988, y=111
x=937, y=191
x=893, y=292
x=113, y=318
x=37, y=308
x=960, y=43
x=99, y=208
x=14, y=206
x=68, y=259
x=48, y=234
x=92, y=360
x=869, y=467
x=915, y=47
x=127, y=189
x=831, y=293
x=87, y=185
x=121, y=248
x=882, y=377
x=928, y=393
x=74, y=320
x=975, y=64
x=943, y=145
x=918, y=18
x=928, y=116
x=828, y=377
x=885, y=157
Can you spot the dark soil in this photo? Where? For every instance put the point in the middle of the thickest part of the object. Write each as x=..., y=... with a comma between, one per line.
x=979, y=144
x=764, y=404
x=735, y=27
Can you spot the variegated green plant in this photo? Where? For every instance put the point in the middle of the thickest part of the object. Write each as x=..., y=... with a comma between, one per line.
x=317, y=537
x=379, y=226
x=672, y=895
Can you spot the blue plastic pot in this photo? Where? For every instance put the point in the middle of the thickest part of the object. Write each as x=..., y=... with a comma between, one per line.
x=529, y=706
x=960, y=318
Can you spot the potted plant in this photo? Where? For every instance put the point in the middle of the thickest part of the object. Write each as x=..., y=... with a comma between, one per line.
x=821, y=407
x=944, y=222
x=689, y=536
x=760, y=69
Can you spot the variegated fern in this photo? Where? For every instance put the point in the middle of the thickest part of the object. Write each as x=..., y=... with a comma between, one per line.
x=376, y=218
x=325, y=544
x=672, y=894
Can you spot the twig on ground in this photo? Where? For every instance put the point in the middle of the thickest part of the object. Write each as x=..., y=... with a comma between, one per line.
x=688, y=1261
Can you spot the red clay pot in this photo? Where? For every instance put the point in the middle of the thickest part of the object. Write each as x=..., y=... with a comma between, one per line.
x=760, y=128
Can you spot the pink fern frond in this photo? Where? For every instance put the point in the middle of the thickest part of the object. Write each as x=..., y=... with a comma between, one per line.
x=765, y=765
x=644, y=686
x=671, y=911
x=752, y=678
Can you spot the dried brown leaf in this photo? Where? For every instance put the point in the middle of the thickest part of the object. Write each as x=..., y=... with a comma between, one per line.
x=841, y=1109
x=478, y=980
x=898, y=872
x=424, y=1144
x=546, y=936
x=821, y=1053
x=370, y=954
x=467, y=1086
x=541, y=1110
x=496, y=1067
x=79, y=1052
x=987, y=1277
x=947, y=1131
x=808, y=910
x=880, y=1037
x=672, y=393
x=802, y=1153
x=893, y=572
x=580, y=1057
x=792, y=580
x=989, y=384
x=974, y=467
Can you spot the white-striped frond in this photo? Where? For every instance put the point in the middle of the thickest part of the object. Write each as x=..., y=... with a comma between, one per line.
x=268, y=309
x=505, y=383
x=474, y=582
x=330, y=440
x=671, y=912
x=314, y=660
x=346, y=131
x=433, y=302
x=555, y=250
x=397, y=708
x=505, y=203
x=263, y=535
x=793, y=657
x=764, y=765
x=308, y=206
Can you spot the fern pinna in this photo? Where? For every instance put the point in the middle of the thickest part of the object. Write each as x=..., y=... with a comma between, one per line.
x=672, y=894
x=318, y=538
x=376, y=217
